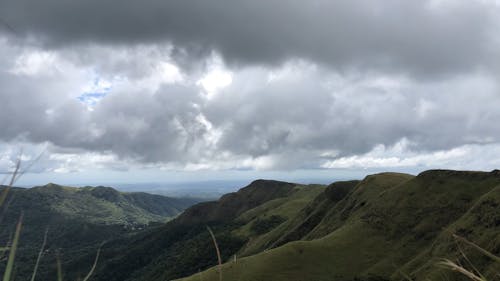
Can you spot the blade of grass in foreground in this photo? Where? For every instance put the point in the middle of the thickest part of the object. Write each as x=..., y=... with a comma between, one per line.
x=446, y=263
x=218, y=252
x=475, y=246
x=40, y=255
x=59, y=269
x=16, y=174
x=12, y=253
x=3, y=196
x=94, y=265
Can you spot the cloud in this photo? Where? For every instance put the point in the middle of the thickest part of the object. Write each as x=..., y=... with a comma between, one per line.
x=399, y=155
x=302, y=107
x=421, y=38
x=298, y=115
x=250, y=85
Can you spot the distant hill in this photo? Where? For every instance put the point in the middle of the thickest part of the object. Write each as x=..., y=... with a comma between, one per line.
x=78, y=220
x=388, y=226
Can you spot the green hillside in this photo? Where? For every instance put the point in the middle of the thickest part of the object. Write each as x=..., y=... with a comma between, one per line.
x=241, y=221
x=387, y=227
x=78, y=220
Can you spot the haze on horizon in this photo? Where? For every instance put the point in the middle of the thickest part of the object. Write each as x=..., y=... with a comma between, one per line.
x=162, y=91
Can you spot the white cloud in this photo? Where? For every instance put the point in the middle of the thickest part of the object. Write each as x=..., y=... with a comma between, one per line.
x=34, y=62
x=148, y=111
x=400, y=155
x=169, y=73
x=84, y=161
x=216, y=77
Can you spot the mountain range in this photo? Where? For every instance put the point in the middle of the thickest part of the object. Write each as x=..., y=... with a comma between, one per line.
x=387, y=226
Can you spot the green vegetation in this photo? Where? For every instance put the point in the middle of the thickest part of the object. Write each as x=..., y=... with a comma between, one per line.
x=184, y=246
x=439, y=225
x=78, y=221
x=387, y=227
x=264, y=225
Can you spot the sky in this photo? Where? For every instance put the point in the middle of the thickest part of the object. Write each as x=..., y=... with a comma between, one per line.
x=164, y=91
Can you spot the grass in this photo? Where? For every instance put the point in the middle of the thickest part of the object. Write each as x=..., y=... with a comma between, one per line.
x=219, y=259
x=103, y=205
x=446, y=263
x=12, y=251
x=87, y=277
x=468, y=269
x=40, y=254
x=303, y=260
x=78, y=222
x=390, y=225
x=285, y=208
x=59, y=268
x=394, y=226
x=8, y=274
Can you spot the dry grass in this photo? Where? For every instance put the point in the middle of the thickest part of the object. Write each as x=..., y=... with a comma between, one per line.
x=475, y=246
x=219, y=259
x=459, y=268
x=471, y=273
x=94, y=265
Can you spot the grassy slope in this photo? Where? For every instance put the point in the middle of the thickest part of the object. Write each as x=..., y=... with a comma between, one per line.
x=480, y=224
x=78, y=219
x=388, y=225
x=183, y=246
x=285, y=208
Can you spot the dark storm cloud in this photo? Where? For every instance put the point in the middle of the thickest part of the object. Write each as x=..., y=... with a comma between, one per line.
x=311, y=80
x=417, y=37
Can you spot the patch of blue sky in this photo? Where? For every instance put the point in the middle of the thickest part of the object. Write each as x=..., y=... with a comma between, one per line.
x=94, y=92
x=91, y=99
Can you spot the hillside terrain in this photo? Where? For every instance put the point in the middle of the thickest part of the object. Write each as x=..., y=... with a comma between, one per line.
x=182, y=246
x=77, y=221
x=387, y=226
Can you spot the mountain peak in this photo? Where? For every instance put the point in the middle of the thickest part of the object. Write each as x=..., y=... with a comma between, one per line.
x=233, y=204
x=54, y=187
x=266, y=184
x=442, y=173
x=106, y=193
x=264, y=181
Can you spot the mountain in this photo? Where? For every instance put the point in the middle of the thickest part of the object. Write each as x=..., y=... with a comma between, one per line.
x=78, y=221
x=386, y=227
x=182, y=246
